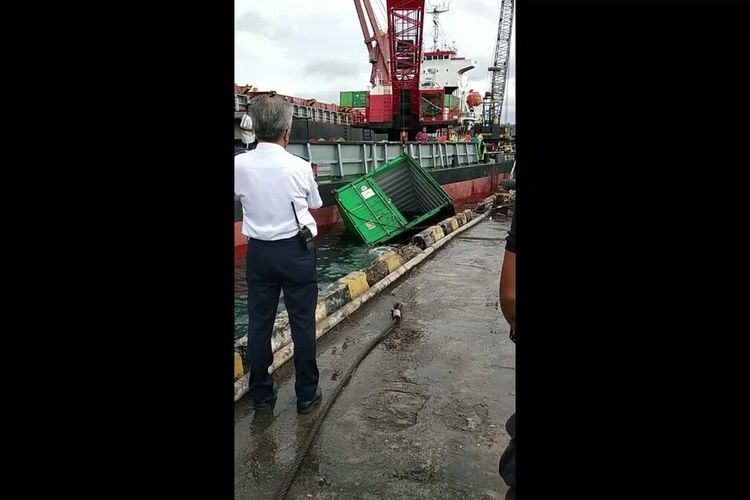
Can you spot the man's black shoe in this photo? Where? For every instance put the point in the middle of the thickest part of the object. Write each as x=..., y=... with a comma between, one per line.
x=307, y=406
x=268, y=402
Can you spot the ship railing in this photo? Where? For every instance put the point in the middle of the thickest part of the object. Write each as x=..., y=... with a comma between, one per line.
x=338, y=160
x=240, y=102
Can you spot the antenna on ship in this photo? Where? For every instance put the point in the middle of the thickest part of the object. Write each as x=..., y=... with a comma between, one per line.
x=436, y=10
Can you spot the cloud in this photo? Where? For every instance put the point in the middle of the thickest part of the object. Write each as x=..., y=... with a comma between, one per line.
x=255, y=23
x=479, y=8
x=332, y=67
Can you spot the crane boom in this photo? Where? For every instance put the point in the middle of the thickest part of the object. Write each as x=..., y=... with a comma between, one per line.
x=499, y=70
x=375, y=41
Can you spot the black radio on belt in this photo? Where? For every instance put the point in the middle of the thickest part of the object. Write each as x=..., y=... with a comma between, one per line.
x=305, y=234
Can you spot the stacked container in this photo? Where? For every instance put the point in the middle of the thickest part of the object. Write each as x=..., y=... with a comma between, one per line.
x=379, y=108
x=353, y=99
x=451, y=107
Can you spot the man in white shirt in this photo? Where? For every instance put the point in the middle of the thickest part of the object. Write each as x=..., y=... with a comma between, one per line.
x=268, y=180
x=246, y=127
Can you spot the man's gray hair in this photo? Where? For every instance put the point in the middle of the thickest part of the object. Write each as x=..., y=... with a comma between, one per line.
x=272, y=117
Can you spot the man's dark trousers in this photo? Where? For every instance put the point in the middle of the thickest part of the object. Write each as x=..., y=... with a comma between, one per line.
x=271, y=267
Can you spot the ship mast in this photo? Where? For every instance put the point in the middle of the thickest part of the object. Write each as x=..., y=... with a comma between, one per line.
x=436, y=10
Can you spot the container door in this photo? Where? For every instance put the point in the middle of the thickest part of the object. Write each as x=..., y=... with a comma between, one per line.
x=365, y=210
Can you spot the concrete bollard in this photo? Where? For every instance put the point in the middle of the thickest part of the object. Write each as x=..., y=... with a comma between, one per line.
x=376, y=272
x=393, y=260
x=239, y=371
x=428, y=237
x=335, y=296
x=320, y=311
x=408, y=252
x=449, y=225
x=356, y=282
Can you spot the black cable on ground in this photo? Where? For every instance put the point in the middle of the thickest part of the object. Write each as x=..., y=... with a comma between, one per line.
x=302, y=451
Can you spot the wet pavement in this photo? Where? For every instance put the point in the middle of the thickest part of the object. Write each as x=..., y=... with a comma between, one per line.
x=424, y=415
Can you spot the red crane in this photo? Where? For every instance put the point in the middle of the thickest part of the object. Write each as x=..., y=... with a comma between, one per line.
x=405, y=23
x=396, y=59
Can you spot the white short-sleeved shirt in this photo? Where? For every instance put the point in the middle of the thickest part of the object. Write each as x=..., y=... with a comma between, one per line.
x=267, y=180
x=247, y=123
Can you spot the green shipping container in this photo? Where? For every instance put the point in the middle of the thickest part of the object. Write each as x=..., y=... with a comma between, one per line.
x=451, y=101
x=391, y=200
x=359, y=99
x=345, y=99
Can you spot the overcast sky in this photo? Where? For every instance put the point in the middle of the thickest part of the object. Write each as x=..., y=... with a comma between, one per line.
x=315, y=49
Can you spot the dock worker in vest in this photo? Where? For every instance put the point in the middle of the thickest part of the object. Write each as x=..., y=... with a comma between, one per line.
x=246, y=127
x=481, y=146
x=277, y=191
x=452, y=135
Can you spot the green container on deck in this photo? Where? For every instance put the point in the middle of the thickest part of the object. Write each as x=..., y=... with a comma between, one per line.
x=451, y=101
x=390, y=201
x=359, y=99
x=345, y=99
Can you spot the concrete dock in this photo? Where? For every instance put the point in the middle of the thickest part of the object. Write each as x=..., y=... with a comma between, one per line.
x=424, y=415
